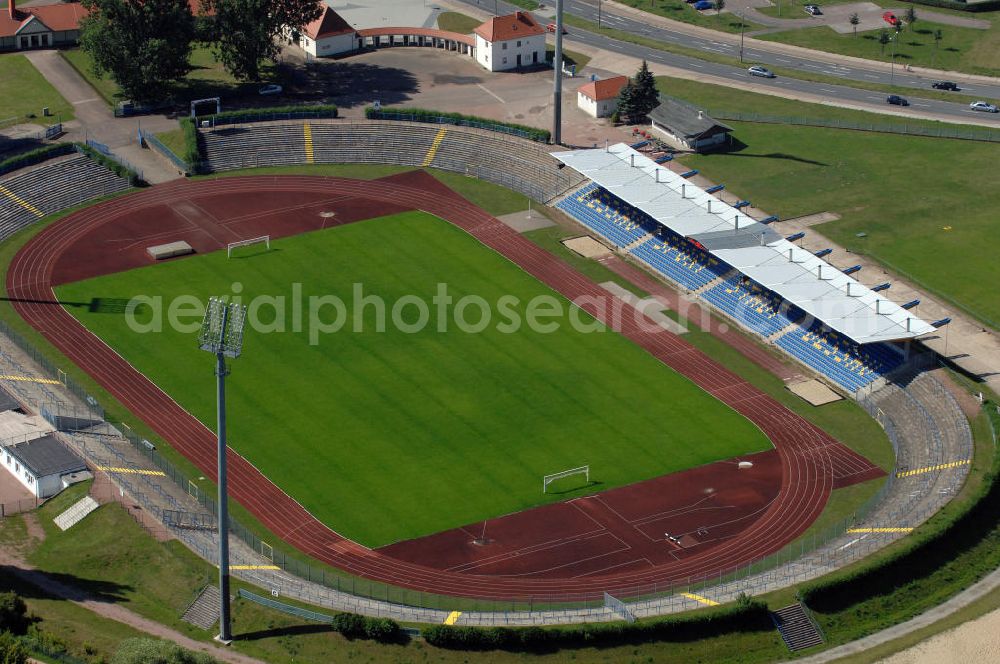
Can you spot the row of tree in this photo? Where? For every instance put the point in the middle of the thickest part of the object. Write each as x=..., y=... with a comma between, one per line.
x=638, y=98
x=145, y=45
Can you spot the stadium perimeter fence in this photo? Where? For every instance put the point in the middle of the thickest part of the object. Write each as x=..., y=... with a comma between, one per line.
x=987, y=136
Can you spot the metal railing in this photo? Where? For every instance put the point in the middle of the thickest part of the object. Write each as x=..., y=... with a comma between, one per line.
x=158, y=146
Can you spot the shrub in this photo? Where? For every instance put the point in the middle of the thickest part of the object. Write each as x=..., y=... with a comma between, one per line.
x=350, y=625
x=458, y=119
x=116, y=167
x=34, y=156
x=12, y=651
x=268, y=113
x=13, y=613
x=383, y=630
x=154, y=651
x=192, y=148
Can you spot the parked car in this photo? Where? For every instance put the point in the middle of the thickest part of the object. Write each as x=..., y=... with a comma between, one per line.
x=270, y=89
x=702, y=5
x=891, y=19
x=551, y=27
x=763, y=72
x=944, y=85
x=813, y=10
x=896, y=100
x=983, y=106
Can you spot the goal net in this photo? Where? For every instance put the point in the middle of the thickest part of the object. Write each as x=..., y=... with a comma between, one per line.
x=549, y=479
x=263, y=239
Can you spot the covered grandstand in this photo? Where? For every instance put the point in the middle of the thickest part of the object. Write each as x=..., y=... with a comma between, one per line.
x=789, y=296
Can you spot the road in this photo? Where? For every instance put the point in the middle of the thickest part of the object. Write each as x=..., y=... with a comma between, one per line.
x=728, y=45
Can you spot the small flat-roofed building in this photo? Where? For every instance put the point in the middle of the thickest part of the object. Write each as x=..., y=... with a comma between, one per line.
x=44, y=465
x=511, y=41
x=599, y=99
x=687, y=126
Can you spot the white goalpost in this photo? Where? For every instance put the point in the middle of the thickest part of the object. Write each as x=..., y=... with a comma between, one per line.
x=263, y=239
x=549, y=479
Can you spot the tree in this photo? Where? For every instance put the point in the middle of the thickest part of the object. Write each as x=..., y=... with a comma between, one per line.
x=143, y=44
x=719, y=6
x=911, y=16
x=247, y=31
x=647, y=97
x=628, y=109
x=854, y=20
x=12, y=651
x=153, y=651
x=938, y=36
x=13, y=613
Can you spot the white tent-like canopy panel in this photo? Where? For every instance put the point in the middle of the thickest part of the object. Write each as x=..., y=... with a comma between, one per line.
x=797, y=275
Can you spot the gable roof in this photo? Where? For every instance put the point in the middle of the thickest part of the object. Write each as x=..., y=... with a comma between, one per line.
x=46, y=456
x=607, y=88
x=684, y=119
x=511, y=26
x=58, y=18
x=328, y=24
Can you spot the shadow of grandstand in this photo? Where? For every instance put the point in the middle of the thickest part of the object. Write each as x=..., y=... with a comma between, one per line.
x=351, y=83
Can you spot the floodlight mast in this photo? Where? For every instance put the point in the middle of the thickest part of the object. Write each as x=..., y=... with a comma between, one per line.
x=222, y=334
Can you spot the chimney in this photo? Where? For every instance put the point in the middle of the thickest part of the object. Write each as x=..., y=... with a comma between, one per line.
x=12, y=10
x=701, y=115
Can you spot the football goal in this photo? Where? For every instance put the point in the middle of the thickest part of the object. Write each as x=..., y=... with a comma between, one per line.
x=263, y=239
x=549, y=479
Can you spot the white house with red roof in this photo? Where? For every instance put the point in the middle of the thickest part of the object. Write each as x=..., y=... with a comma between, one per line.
x=599, y=99
x=328, y=35
x=40, y=27
x=511, y=41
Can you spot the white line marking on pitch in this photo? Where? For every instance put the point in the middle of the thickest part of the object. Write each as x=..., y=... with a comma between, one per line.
x=491, y=93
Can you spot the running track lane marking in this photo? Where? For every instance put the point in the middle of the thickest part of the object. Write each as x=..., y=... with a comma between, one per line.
x=929, y=469
x=31, y=379
x=879, y=530
x=698, y=598
x=253, y=567
x=132, y=471
x=434, y=147
x=452, y=618
x=20, y=201
x=307, y=134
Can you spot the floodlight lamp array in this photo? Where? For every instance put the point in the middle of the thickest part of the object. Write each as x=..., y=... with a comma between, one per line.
x=222, y=328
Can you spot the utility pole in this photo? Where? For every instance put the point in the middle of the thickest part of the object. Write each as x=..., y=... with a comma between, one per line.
x=557, y=86
x=742, y=24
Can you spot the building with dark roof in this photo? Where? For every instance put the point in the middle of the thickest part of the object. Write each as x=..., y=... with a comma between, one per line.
x=687, y=126
x=44, y=465
x=510, y=41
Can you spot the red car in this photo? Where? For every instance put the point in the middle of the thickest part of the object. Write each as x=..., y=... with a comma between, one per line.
x=551, y=27
x=891, y=19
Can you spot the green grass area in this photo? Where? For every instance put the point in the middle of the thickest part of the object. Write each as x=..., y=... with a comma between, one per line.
x=207, y=78
x=678, y=10
x=398, y=426
x=960, y=49
x=457, y=22
x=174, y=140
x=24, y=92
x=569, y=57
x=791, y=171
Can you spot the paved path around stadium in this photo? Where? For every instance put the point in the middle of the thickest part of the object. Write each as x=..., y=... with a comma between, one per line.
x=988, y=584
x=810, y=457
x=12, y=562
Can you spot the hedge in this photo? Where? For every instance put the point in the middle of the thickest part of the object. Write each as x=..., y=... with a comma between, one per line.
x=269, y=113
x=116, y=167
x=931, y=547
x=745, y=616
x=988, y=6
x=192, y=148
x=353, y=626
x=35, y=156
x=425, y=115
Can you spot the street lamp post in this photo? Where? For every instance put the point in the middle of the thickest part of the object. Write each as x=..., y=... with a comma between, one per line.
x=599, y=14
x=742, y=24
x=222, y=334
x=557, y=83
x=892, y=59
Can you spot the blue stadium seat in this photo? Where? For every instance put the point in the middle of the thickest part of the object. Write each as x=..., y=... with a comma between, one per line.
x=606, y=215
x=850, y=365
x=680, y=261
x=756, y=307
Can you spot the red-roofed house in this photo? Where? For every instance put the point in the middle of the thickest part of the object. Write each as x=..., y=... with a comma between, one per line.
x=600, y=98
x=511, y=41
x=328, y=35
x=40, y=27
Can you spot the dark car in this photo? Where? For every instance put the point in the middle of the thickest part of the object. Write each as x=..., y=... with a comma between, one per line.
x=896, y=100
x=945, y=85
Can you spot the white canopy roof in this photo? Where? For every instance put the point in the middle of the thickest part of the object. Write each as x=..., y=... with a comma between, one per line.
x=818, y=288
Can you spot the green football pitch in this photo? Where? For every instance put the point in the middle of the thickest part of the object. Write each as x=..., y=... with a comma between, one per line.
x=394, y=434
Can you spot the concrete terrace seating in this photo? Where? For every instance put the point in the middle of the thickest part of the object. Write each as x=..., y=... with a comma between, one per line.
x=518, y=164
x=679, y=260
x=598, y=211
x=848, y=364
x=756, y=307
x=52, y=187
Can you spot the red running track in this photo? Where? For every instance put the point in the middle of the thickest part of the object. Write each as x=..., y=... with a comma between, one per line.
x=809, y=457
